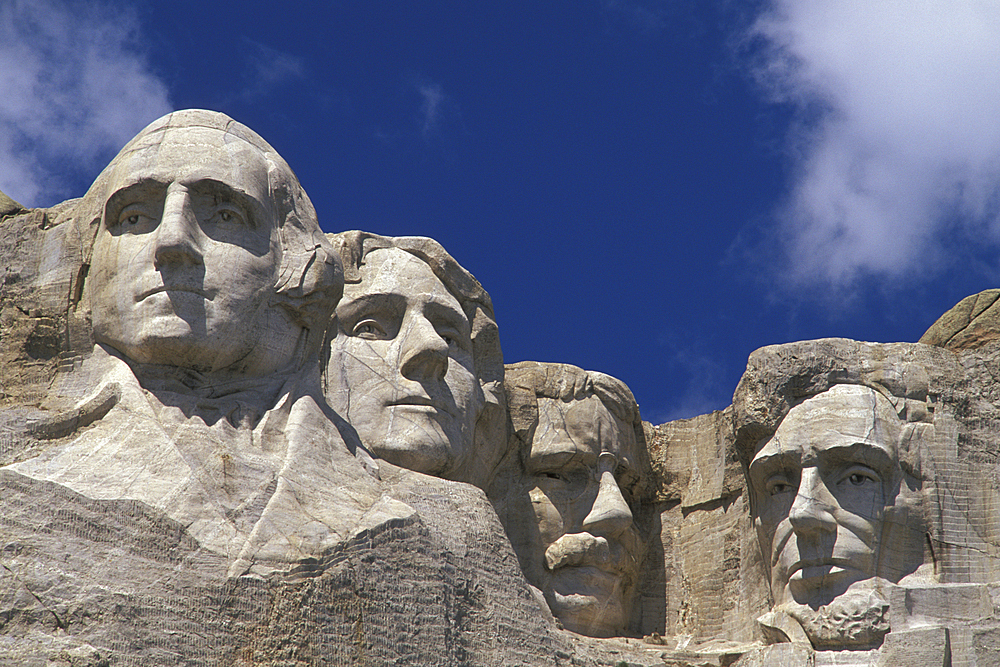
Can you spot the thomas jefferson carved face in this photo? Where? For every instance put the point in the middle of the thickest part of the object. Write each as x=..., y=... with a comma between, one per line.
x=401, y=367
x=821, y=485
x=583, y=551
x=186, y=256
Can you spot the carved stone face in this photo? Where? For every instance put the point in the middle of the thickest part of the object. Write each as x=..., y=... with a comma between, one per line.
x=583, y=555
x=186, y=258
x=821, y=485
x=401, y=366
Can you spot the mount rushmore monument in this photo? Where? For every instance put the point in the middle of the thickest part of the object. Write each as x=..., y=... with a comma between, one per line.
x=228, y=438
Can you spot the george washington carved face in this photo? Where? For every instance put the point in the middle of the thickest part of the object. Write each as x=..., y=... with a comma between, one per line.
x=186, y=256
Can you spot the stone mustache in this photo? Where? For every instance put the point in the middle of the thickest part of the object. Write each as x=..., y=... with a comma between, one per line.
x=310, y=445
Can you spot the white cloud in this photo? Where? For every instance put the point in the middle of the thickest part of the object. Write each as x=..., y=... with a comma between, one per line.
x=431, y=97
x=268, y=69
x=899, y=139
x=74, y=88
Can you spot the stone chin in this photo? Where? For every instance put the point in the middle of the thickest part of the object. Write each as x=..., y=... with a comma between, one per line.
x=857, y=619
x=419, y=436
x=431, y=456
x=588, y=601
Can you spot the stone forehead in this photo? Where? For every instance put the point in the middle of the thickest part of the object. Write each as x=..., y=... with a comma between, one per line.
x=389, y=269
x=847, y=397
x=842, y=407
x=216, y=154
x=563, y=415
x=195, y=122
x=191, y=137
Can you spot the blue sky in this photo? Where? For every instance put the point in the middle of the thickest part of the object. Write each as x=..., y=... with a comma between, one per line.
x=649, y=188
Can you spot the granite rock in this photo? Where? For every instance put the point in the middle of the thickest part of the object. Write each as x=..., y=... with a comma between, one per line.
x=971, y=323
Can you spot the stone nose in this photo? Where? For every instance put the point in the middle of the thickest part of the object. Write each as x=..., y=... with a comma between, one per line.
x=610, y=515
x=423, y=353
x=178, y=235
x=812, y=510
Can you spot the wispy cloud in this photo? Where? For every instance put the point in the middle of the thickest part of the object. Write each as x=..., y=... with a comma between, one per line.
x=705, y=390
x=74, y=88
x=432, y=98
x=268, y=68
x=897, y=143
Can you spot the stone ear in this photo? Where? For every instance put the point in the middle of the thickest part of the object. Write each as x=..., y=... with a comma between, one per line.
x=310, y=277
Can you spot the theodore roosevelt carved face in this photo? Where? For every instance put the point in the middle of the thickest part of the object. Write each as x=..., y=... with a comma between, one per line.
x=821, y=485
x=580, y=469
x=572, y=517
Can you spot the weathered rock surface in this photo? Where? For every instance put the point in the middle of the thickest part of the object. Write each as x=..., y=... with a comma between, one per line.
x=8, y=206
x=433, y=588
x=972, y=323
x=164, y=506
x=946, y=405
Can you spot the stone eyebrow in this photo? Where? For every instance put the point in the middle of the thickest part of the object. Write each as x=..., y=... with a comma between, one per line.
x=350, y=309
x=761, y=466
x=553, y=460
x=455, y=316
x=867, y=453
x=119, y=198
x=211, y=186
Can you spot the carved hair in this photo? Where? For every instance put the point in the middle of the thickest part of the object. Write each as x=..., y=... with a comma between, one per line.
x=310, y=278
x=353, y=246
x=527, y=381
x=770, y=389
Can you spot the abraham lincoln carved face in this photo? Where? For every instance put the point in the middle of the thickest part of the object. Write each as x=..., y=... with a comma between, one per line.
x=821, y=486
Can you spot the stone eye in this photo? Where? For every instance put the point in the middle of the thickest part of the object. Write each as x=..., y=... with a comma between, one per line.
x=228, y=216
x=368, y=329
x=859, y=476
x=778, y=484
